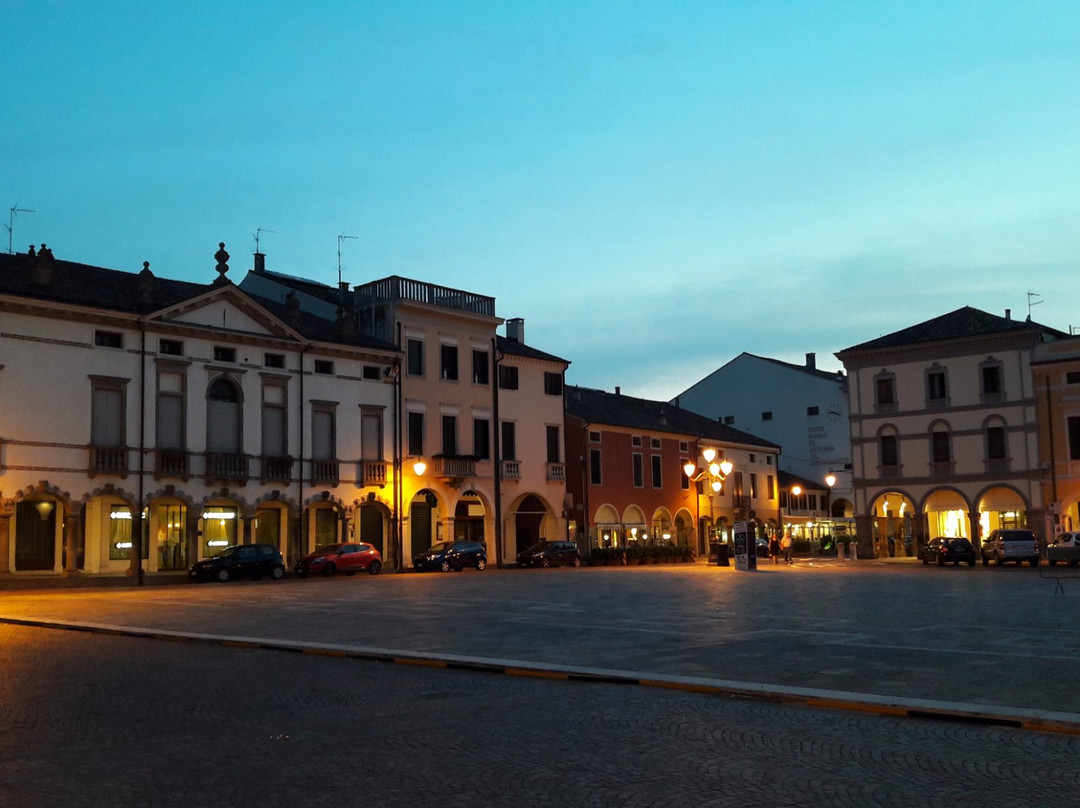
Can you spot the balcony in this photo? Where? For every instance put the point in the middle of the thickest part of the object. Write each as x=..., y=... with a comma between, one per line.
x=226, y=466
x=511, y=469
x=454, y=468
x=556, y=472
x=889, y=471
x=172, y=463
x=396, y=289
x=276, y=469
x=108, y=460
x=371, y=472
x=324, y=472
x=740, y=503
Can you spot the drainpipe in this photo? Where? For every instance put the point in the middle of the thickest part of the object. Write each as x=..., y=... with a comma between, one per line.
x=497, y=453
x=397, y=526
x=1050, y=426
x=137, y=522
x=300, y=481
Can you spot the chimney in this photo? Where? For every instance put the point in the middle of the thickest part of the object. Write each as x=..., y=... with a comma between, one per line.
x=515, y=329
x=1008, y=314
x=43, y=267
x=811, y=361
x=618, y=390
x=260, y=263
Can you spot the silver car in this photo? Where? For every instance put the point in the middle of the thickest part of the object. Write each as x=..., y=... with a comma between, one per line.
x=1066, y=549
x=1010, y=545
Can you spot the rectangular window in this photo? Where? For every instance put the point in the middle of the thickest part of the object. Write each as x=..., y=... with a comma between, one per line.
x=553, y=384
x=684, y=481
x=371, y=434
x=1074, y=438
x=940, y=447
x=108, y=339
x=812, y=501
x=509, y=441
x=753, y=486
x=171, y=347
x=886, y=393
x=224, y=354
x=594, y=436
x=657, y=472
x=170, y=411
x=995, y=442
x=274, y=411
x=554, y=445
x=1072, y=377
x=654, y=443
x=636, y=441
x=274, y=360
x=480, y=373
x=639, y=469
x=482, y=438
x=323, y=438
x=811, y=410
x=414, y=365
x=324, y=366
x=770, y=481
x=416, y=433
x=889, y=455
x=508, y=377
x=684, y=447
x=766, y=416
x=449, y=435
x=595, y=467
x=107, y=413
x=935, y=385
x=991, y=380
x=448, y=356
x=371, y=373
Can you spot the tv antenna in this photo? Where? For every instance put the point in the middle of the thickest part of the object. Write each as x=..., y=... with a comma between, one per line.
x=258, y=231
x=15, y=210
x=1033, y=303
x=340, y=239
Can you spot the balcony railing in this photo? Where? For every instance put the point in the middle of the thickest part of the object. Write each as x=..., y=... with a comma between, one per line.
x=740, y=503
x=454, y=467
x=889, y=471
x=108, y=460
x=556, y=471
x=226, y=466
x=511, y=469
x=277, y=469
x=324, y=471
x=371, y=472
x=397, y=289
x=172, y=463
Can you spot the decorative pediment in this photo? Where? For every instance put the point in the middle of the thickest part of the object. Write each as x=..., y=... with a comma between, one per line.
x=228, y=309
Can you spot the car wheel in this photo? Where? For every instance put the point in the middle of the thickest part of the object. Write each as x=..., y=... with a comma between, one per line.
x=545, y=562
x=577, y=561
x=329, y=570
x=278, y=572
x=925, y=561
x=374, y=568
x=480, y=564
x=445, y=566
x=223, y=575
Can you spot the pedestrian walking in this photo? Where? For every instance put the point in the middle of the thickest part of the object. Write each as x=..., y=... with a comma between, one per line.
x=785, y=545
x=774, y=549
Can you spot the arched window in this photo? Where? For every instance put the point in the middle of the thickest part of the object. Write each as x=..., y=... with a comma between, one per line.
x=888, y=451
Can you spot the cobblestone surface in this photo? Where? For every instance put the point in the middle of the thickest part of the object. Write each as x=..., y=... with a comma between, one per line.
x=97, y=720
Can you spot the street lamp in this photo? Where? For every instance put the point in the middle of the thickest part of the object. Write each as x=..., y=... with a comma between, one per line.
x=715, y=471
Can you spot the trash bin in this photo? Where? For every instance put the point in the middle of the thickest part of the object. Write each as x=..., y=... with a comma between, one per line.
x=723, y=555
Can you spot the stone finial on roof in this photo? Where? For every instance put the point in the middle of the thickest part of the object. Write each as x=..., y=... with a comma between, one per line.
x=146, y=283
x=222, y=259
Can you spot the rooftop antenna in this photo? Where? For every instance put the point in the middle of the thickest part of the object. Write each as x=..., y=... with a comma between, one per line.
x=1033, y=303
x=258, y=231
x=15, y=209
x=341, y=238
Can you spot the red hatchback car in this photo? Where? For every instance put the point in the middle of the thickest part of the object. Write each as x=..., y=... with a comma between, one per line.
x=348, y=557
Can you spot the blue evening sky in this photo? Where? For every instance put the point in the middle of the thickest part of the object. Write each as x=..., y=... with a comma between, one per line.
x=654, y=187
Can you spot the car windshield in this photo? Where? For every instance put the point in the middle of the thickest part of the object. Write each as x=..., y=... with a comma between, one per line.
x=441, y=547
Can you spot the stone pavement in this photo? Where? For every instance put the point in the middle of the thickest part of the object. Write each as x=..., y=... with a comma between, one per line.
x=982, y=644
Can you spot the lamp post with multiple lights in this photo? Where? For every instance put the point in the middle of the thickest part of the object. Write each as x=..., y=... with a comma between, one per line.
x=715, y=471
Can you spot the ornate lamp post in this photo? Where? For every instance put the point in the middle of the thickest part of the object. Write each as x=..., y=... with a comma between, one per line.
x=715, y=472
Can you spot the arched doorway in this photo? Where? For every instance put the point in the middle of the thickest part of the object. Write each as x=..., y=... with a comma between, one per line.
x=36, y=543
x=423, y=516
x=893, y=525
x=371, y=527
x=1001, y=508
x=469, y=518
x=528, y=520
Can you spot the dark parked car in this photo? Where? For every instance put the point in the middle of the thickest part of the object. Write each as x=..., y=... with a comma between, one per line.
x=944, y=550
x=550, y=554
x=451, y=555
x=240, y=561
x=348, y=557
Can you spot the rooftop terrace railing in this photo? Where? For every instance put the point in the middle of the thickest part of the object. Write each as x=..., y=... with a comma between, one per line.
x=399, y=289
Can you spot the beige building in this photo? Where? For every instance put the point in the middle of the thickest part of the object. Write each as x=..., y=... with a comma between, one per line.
x=479, y=415
x=943, y=431
x=179, y=418
x=1056, y=369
